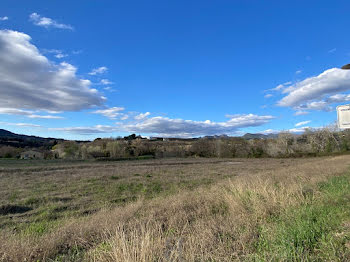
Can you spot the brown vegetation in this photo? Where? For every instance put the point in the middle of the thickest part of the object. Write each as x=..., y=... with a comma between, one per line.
x=219, y=221
x=312, y=143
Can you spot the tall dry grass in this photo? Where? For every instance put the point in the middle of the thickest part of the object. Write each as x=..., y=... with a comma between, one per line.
x=216, y=224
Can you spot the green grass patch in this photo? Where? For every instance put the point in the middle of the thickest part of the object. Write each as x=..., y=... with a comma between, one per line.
x=308, y=232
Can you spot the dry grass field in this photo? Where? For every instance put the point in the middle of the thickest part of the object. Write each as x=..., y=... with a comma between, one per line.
x=176, y=210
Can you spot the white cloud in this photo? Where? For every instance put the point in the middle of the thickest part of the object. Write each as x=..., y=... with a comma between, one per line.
x=292, y=130
x=109, y=88
x=99, y=70
x=338, y=98
x=315, y=92
x=111, y=113
x=124, y=117
x=298, y=130
x=280, y=87
x=316, y=105
x=29, y=114
x=58, y=53
x=302, y=123
x=167, y=127
x=142, y=116
x=268, y=96
x=87, y=130
x=28, y=80
x=332, y=50
x=27, y=125
x=301, y=113
x=268, y=131
x=45, y=117
x=19, y=124
x=4, y=18
x=298, y=72
x=59, y=56
x=47, y=22
x=106, y=82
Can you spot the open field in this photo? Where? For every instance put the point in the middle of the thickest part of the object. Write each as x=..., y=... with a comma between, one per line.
x=176, y=210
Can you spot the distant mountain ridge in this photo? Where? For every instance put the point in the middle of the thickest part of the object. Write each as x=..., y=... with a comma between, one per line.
x=249, y=136
x=11, y=139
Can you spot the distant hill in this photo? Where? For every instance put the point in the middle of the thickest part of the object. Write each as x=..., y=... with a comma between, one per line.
x=21, y=141
x=11, y=139
x=249, y=136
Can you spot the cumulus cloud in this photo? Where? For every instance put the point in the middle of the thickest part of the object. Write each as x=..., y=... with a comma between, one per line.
x=28, y=80
x=3, y=18
x=99, y=70
x=111, y=113
x=303, y=123
x=142, y=116
x=47, y=22
x=30, y=114
x=304, y=93
x=167, y=127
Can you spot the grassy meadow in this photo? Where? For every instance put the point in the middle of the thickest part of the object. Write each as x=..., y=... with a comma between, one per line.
x=193, y=209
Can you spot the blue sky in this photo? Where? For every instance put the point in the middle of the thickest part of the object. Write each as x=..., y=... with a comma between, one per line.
x=87, y=69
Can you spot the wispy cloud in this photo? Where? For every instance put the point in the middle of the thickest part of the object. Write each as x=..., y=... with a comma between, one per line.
x=280, y=87
x=26, y=113
x=99, y=70
x=4, y=18
x=268, y=95
x=303, y=123
x=106, y=82
x=98, y=129
x=301, y=113
x=109, y=88
x=20, y=124
x=333, y=50
x=47, y=22
x=45, y=116
x=111, y=113
x=57, y=53
x=142, y=116
x=298, y=72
